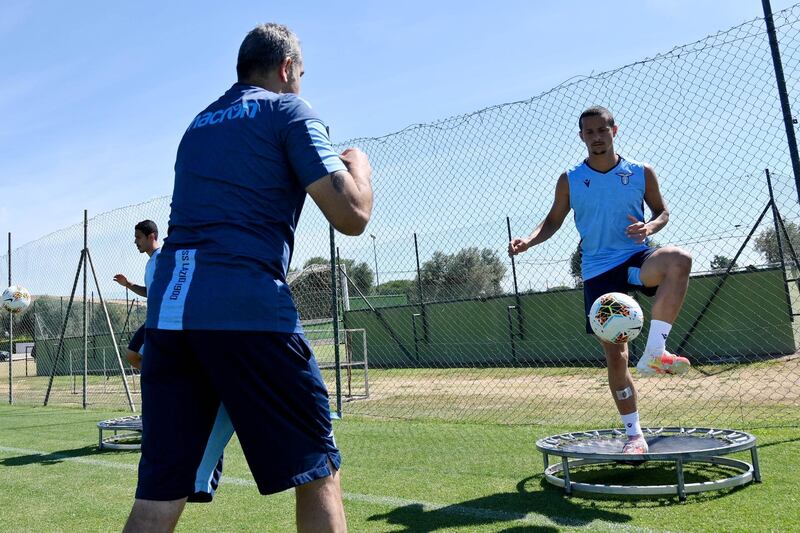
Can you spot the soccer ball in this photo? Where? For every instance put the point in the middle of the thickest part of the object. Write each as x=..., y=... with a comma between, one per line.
x=616, y=317
x=16, y=299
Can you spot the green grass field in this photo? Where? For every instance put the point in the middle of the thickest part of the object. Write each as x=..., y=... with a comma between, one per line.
x=397, y=476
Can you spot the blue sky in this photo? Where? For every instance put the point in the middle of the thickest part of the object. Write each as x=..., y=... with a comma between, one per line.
x=95, y=95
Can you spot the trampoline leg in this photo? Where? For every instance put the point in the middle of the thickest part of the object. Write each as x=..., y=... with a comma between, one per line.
x=567, y=483
x=756, y=468
x=546, y=460
x=681, y=487
x=100, y=438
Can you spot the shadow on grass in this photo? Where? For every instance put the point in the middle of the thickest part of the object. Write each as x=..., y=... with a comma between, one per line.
x=54, y=458
x=777, y=443
x=545, y=510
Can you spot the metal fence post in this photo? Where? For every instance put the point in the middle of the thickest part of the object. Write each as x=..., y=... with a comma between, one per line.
x=423, y=312
x=788, y=120
x=775, y=221
x=10, y=335
x=335, y=314
x=85, y=309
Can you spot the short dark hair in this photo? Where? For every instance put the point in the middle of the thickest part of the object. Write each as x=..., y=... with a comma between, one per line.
x=147, y=227
x=264, y=48
x=596, y=111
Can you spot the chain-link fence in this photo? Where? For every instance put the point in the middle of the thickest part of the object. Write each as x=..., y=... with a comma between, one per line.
x=482, y=339
x=436, y=321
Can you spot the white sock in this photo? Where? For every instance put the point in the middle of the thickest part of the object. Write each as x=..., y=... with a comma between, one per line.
x=657, y=338
x=631, y=423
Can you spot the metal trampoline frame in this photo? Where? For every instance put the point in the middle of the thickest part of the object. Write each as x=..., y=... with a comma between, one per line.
x=130, y=425
x=730, y=441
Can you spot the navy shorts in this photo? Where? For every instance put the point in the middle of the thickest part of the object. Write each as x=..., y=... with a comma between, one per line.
x=272, y=390
x=615, y=280
x=137, y=341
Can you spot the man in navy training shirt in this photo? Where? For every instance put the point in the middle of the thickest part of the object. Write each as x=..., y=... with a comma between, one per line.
x=607, y=193
x=222, y=328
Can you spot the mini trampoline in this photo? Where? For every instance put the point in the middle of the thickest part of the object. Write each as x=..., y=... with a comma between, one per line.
x=678, y=445
x=127, y=433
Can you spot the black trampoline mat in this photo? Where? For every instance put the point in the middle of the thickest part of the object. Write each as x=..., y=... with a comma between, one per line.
x=657, y=444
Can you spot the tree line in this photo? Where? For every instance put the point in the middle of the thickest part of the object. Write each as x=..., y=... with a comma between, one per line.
x=471, y=272
x=468, y=273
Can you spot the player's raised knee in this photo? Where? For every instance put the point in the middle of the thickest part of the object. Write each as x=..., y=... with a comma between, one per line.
x=674, y=260
x=680, y=261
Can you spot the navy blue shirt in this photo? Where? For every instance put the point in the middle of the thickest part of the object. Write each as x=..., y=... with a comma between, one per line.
x=240, y=177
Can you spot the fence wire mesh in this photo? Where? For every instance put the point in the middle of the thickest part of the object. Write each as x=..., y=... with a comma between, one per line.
x=707, y=117
x=436, y=321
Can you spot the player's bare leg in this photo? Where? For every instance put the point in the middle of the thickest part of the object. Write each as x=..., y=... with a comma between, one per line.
x=669, y=269
x=619, y=376
x=150, y=516
x=319, y=505
x=623, y=391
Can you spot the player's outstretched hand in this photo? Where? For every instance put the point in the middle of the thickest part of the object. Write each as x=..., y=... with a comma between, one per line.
x=121, y=279
x=638, y=231
x=517, y=246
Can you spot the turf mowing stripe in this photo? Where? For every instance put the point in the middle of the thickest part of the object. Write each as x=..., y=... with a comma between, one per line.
x=387, y=501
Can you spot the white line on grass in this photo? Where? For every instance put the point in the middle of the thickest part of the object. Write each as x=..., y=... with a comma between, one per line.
x=388, y=501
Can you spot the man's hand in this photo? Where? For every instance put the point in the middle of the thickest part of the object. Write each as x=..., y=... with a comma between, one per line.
x=134, y=358
x=357, y=163
x=122, y=280
x=517, y=246
x=638, y=231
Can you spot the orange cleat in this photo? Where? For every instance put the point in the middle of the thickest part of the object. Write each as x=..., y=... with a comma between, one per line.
x=636, y=445
x=665, y=363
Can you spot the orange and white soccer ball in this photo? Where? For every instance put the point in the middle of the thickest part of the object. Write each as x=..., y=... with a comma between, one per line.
x=16, y=299
x=616, y=317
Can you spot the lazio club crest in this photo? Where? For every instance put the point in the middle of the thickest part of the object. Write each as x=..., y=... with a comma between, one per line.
x=625, y=177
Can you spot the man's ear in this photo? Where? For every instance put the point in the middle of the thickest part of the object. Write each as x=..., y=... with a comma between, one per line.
x=285, y=70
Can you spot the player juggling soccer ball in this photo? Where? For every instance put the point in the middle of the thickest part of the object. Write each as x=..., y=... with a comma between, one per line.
x=607, y=194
